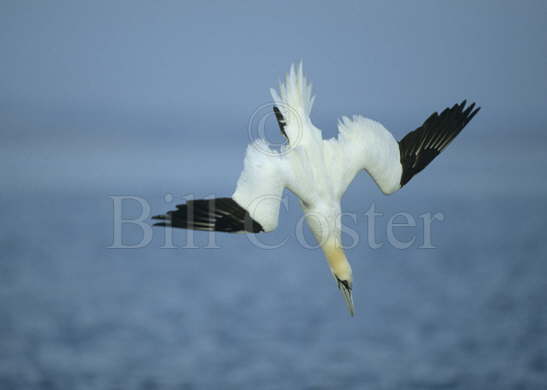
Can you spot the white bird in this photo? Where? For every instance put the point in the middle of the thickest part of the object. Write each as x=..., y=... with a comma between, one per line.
x=318, y=171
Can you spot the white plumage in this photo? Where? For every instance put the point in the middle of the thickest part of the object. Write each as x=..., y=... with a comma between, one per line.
x=318, y=171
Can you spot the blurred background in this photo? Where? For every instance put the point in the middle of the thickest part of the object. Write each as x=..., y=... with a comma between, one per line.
x=144, y=99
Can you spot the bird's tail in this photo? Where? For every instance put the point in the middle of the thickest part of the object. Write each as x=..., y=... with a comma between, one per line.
x=295, y=99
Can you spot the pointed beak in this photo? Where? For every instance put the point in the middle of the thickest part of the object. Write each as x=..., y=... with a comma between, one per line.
x=345, y=288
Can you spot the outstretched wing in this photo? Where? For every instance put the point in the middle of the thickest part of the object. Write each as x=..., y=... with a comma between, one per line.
x=254, y=206
x=419, y=147
x=368, y=145
x=220, y=214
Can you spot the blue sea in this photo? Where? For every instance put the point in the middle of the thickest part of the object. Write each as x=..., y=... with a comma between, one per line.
x=75, y=314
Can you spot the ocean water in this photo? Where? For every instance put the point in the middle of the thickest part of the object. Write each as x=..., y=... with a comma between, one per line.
x=469, y=314
x=157, y=100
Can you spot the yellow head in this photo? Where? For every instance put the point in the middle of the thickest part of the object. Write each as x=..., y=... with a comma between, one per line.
x=341, y=270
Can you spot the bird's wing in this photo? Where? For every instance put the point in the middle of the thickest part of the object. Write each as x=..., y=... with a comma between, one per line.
x=254, y=206
x=292, y=107
x=219, y=214
x=366, y=144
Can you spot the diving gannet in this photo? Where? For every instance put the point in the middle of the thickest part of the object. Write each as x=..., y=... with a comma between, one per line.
x=318, y=171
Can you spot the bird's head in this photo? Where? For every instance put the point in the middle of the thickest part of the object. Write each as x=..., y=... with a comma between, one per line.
x=341, y=270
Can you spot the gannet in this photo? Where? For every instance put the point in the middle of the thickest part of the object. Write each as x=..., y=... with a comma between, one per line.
x=318, y=171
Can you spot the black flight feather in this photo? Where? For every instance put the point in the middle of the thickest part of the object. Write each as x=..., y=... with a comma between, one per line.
x=280, y=121
x=220, y=214
x=419, y=147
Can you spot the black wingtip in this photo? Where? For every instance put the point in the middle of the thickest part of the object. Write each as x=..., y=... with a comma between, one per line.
x=469, y=109
x=220, y=214
x=470, y=112
x=419, y=147
x=474, y=112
